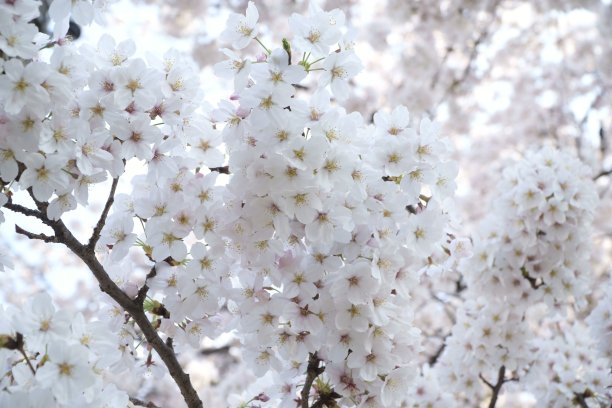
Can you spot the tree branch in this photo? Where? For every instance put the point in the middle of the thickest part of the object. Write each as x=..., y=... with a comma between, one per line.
x=221, y=170
x=532, y=281
x=95, y=236
x=142, y=292
x=32, y=235
x=580, y=398
x=134, y=309
x=602, y=173
x=312, y=372
x=25, y=210
x=496, y=388
x=327, y=399
x=434, y=358
x=42, y=207
x=141, y=403
x=209, y=351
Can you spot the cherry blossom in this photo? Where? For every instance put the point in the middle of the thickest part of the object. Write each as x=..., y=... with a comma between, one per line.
x=241, y=29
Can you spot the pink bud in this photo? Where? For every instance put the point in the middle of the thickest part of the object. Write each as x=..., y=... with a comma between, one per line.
x=262, y=397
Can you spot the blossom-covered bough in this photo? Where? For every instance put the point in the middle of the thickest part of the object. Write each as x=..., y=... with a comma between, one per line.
x=278, y=216
x=533, y=249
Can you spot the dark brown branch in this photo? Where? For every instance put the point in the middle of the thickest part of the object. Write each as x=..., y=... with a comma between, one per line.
x=602, y=173
x=25, y=210
x=141, y=403
x=580, y=398
x=42, y=207
x=312, y=372
x=207, y=352
x=95, y=236
x=532, y=281
x=320, y=403
x=434, y=358
x=31, y=235
x=460, y=286
x=222, y=170
x=327, y=400
x=142, y=292
x=486, y=382
x=496, y=388
x=134, y=309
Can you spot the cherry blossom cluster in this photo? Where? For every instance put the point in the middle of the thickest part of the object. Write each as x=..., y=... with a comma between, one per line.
x=18, y=37
x=318, y=238
x=488, y=334
x=533, y=248
x=567, y=371
x=68, y=121
x=52, y=358
x=599, y=323
x=321, y=232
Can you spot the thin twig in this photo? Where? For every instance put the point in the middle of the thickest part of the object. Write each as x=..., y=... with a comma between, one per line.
x=209, y=351
x=42, y=207
x=602, y=173
x=221, y=170
x=434, y=358
x=31, y=235
x=498, y=385
x=141, y=403
x=142, y=292
x=532, y=281
x=24, y=210
x=95, y=236
x=580, y=399
x=20, y=346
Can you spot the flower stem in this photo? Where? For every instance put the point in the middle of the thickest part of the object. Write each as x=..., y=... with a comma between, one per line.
x=264, y=47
